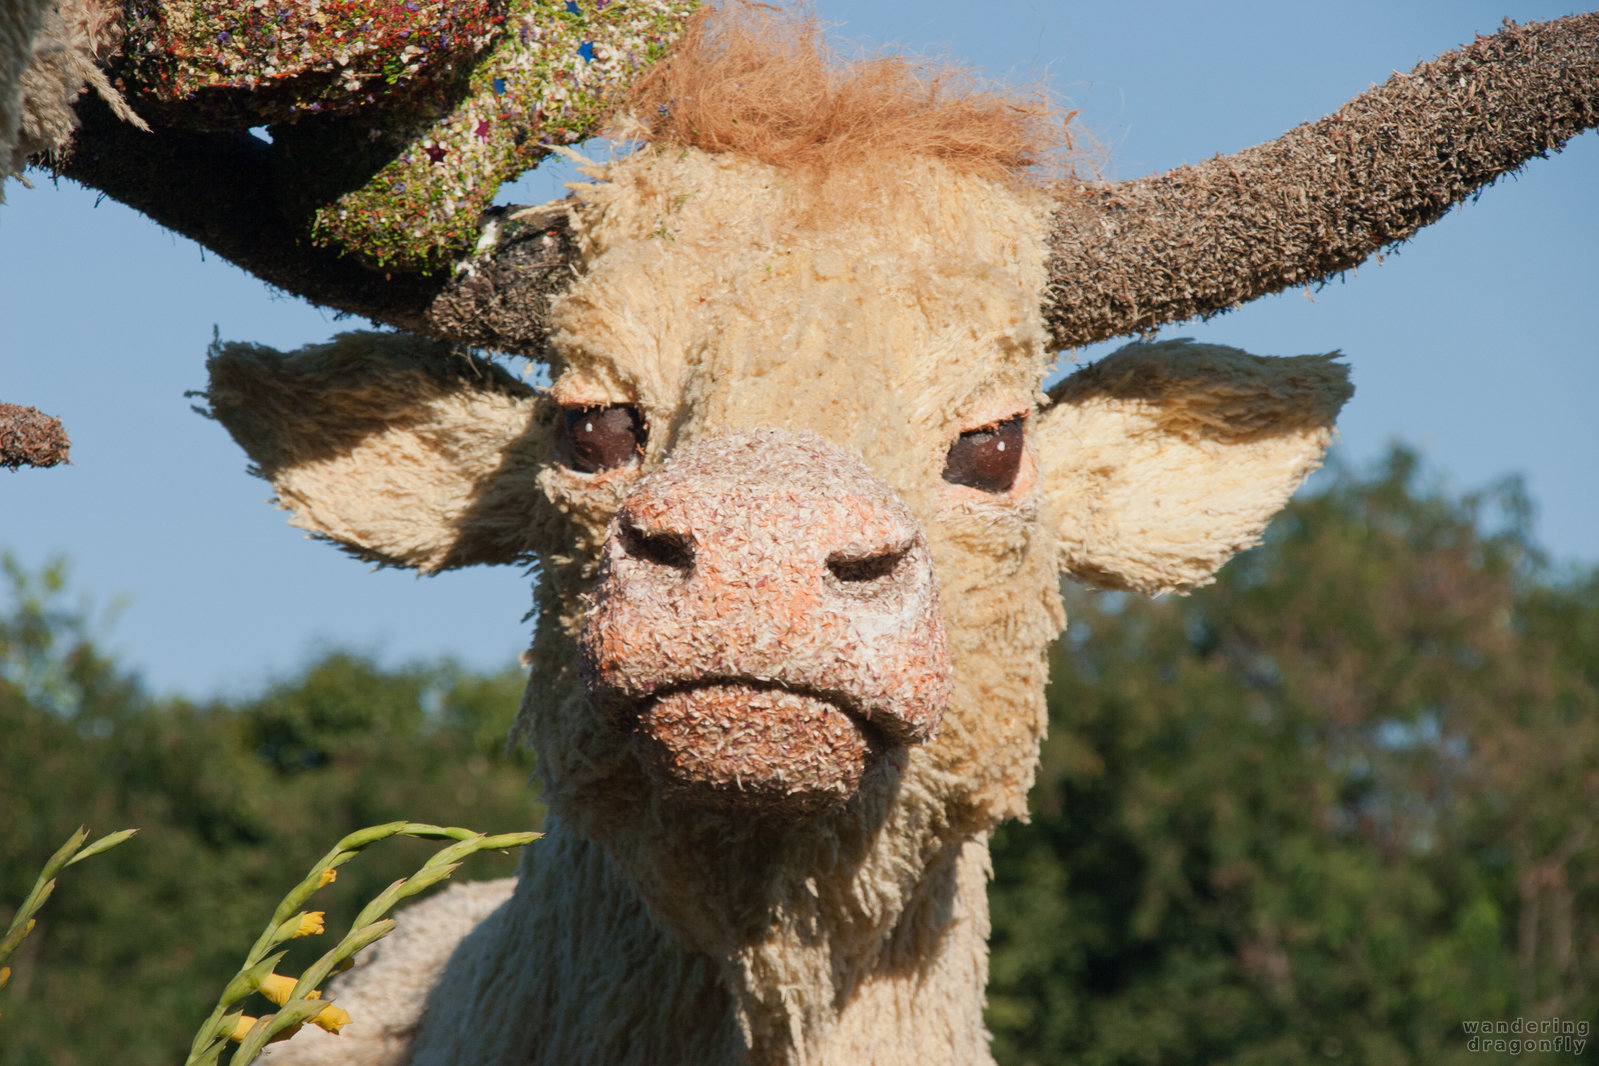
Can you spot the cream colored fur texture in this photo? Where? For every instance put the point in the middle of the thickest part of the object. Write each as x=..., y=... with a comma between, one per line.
x=49, y=53
x=19, y=24
x=719, y=295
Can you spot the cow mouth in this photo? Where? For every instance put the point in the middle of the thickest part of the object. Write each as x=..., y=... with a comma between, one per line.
x=747, y=745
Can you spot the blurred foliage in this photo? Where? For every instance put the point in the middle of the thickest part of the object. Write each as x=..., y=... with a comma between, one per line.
x=1327, y=810
x=233, y=799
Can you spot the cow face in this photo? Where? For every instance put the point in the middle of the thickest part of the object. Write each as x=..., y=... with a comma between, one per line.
x=793, y=417
x=798, y=508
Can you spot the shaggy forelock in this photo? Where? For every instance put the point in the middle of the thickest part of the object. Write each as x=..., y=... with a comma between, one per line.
x=760, y=81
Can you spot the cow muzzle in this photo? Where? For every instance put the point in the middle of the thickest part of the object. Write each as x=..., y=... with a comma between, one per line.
x=766, y=625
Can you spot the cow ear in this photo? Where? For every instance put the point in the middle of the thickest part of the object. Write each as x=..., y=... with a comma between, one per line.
x=400, y=449
x=1161, y=461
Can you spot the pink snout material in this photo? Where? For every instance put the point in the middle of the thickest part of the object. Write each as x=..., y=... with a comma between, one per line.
x=766, y=624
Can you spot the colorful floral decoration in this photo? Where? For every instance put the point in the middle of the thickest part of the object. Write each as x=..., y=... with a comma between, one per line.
x=402, y=118
x=217, y=62
x=534, y=87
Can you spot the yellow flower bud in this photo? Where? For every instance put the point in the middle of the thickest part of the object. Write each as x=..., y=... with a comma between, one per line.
x=277, y=988
x=332, y=1019
x=5, y=975
x=241, y=1029
x=311, y=923
x=329, y=876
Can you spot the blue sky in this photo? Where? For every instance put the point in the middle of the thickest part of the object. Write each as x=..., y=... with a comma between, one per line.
x=1477, y=343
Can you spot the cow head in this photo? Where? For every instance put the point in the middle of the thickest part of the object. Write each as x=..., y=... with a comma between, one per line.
x=796, y=503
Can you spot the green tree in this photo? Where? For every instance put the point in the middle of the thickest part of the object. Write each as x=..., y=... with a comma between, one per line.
x=233, y=798
x=1333, y=807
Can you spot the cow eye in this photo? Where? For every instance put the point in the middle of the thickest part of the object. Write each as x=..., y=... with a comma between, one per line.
x=604, y=438
x=986, y=458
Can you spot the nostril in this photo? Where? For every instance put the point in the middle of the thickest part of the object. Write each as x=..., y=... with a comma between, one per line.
x=664, y=548
x=857, y=569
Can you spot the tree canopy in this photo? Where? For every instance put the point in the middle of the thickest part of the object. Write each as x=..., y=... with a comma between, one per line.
x=234, y=800
x=1338, y=806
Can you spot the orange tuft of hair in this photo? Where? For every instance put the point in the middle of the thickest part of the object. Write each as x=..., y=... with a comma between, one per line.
x=755, y=80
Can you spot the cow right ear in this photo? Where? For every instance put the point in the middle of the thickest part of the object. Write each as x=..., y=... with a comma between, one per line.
x=400, y=449
x=1163, y=460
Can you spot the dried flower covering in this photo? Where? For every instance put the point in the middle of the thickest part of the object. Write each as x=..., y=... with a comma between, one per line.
x=1200, y=240
x=29, y=437
x=261, y=61
x=767, y=621
x=750, y=749
x=395, y=124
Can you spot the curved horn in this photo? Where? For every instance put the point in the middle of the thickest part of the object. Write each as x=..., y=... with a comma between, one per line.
x=1129, y=256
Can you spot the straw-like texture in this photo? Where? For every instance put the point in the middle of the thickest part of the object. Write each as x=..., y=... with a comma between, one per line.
x=761, y=848
x=762, y=83
x=39, y=83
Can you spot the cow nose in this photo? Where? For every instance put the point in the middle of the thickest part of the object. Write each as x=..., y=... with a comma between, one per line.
x=763, y=529
x=757, y=569
x=772, y=556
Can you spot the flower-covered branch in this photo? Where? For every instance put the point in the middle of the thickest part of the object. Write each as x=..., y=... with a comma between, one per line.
x=392, y=125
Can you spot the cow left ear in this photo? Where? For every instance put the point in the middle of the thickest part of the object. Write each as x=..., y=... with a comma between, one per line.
x=1162, y=461
x=399, y=449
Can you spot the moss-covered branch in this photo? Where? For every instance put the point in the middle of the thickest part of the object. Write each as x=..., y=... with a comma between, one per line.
x=1130, y=256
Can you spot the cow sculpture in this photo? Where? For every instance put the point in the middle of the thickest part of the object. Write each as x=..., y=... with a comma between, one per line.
x=798, y=511
x=799, y=521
